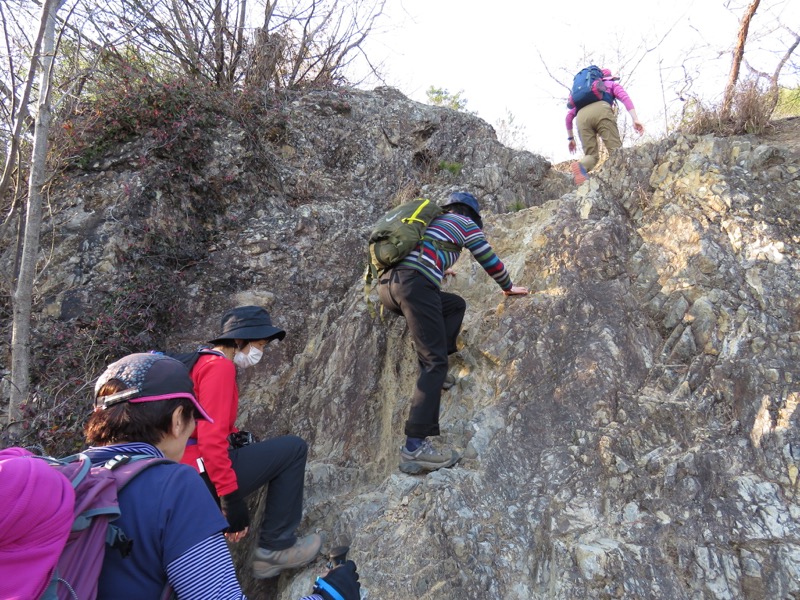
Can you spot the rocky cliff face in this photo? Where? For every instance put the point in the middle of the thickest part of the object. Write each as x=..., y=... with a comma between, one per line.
x=629, y=429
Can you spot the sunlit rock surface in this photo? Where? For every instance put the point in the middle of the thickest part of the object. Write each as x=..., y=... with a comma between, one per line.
x=629, y=429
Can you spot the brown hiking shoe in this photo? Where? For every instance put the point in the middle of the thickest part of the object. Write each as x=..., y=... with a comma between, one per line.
x=426, y=458
x=269, y=563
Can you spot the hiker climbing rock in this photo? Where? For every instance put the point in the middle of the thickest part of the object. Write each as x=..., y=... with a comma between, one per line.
x=412, y=288
x=235, y=466
x=146, y=410
x=591, y=100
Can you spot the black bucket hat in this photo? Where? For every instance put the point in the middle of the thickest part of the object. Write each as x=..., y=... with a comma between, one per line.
x=149, y=377
x=248, y=323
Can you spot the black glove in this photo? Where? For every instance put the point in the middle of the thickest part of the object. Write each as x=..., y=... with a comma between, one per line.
x=235, y=510
x=343, y=580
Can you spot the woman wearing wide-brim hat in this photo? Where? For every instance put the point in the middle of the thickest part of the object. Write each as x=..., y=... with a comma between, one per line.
x=232, y=473
x=146, y=406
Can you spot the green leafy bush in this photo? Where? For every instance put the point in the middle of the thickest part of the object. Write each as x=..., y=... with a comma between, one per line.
x=450, y=167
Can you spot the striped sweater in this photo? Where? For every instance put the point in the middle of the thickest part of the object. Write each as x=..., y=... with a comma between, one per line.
x=463, y=231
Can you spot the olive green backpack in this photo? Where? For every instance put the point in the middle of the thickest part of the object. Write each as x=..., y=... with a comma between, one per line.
x=397, y=233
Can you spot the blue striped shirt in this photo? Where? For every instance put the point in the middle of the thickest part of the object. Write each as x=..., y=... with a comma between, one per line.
x=177, y=531
x=460, y=230
x=205, y=571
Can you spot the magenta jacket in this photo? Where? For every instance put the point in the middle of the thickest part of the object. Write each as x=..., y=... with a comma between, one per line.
x=36, y=514
x=617, y=93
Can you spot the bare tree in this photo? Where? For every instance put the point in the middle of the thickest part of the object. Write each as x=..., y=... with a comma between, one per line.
x=773, y=92
x=23, y=295
x=774, y=89
x=511, y=133
x=298, y=42
x=738, y=54
x=17, y=115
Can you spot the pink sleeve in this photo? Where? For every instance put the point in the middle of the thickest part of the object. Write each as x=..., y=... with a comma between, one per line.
x=618, y=92
x=571, y=117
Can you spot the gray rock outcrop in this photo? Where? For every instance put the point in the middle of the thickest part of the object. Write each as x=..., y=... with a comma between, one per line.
x=629, y=429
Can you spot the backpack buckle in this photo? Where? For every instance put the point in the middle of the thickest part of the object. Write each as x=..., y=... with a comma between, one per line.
x=117, y=461
x=116, y=539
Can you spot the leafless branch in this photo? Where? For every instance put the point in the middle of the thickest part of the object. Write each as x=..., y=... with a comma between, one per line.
x=738, y=53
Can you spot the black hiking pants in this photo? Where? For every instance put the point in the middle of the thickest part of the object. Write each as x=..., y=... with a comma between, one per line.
x=434, y=319
x=280, y=464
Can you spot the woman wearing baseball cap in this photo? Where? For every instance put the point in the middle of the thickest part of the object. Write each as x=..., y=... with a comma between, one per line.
x=145, y=406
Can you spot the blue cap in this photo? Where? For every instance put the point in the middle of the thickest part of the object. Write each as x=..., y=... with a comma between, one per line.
x=466, y=199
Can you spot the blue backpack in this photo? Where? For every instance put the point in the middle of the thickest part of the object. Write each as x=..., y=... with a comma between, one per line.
x=588, y=87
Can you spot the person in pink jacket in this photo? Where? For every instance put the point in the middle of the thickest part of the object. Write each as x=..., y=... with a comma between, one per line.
x=36, y=503
x=598, y=119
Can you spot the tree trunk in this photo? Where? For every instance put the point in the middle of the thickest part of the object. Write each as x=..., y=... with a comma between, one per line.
x=774, y=89
x=20, y=119
x=23, y=295
x=738, y=53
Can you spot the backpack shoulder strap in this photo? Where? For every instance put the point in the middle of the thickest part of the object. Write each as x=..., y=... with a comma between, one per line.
x=126, y=467
x=445, y=245
x=210, y=351
x=77, y=475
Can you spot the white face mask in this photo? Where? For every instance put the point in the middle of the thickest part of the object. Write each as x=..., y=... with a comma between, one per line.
x=247, y=360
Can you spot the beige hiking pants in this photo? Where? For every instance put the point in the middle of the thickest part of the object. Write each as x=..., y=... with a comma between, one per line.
x=597, y=119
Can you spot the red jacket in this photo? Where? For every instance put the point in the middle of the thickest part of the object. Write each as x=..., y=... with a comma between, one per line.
x=215, y=386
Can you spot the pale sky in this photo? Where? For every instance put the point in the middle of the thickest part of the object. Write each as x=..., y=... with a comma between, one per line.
x=490, y=51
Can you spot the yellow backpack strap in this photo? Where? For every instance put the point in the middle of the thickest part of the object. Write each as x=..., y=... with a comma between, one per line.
x=413, y=218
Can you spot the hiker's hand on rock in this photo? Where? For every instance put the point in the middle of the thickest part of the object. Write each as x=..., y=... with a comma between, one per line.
x=235, y=510
x=516, y=291
x=450, y=272
x=237, y=537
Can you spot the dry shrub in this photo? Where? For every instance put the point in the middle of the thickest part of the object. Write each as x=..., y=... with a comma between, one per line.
x=749, y=113
x=405, y=194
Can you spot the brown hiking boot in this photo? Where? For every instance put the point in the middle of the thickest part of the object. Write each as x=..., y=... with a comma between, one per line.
x=269, y=563
x=426, y=458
